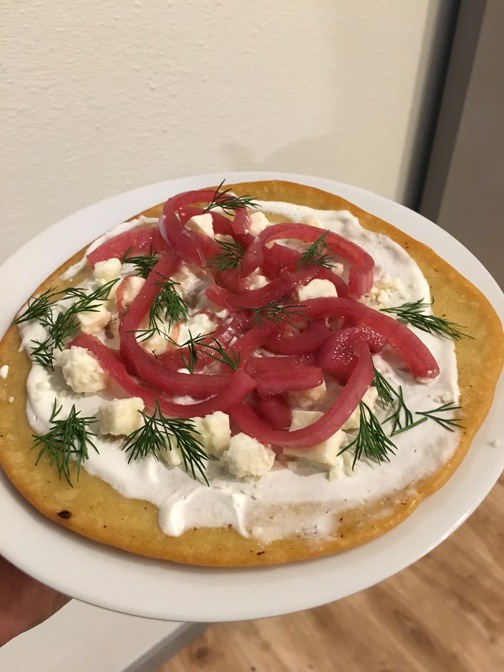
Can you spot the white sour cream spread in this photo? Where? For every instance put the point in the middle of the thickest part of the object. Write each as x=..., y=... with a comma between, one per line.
x=246, y=505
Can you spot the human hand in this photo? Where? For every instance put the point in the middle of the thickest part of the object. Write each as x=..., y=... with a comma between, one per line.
x=24, y=602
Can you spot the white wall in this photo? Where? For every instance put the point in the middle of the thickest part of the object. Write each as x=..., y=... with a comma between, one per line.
x=103, y=95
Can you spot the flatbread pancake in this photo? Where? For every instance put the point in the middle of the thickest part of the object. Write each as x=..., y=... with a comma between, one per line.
x=92, y=508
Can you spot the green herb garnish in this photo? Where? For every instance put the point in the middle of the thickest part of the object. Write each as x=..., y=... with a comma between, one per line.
x=68, y=441
x=317, y=254
x=167, y=307
x=214, y=350
x=160, y=434
x=61, y=325
x=446, y=423
x=371, y=441
x=230, y=258
x=414, y=314
x=276, y=311
x=143, y=264
x=228, y=202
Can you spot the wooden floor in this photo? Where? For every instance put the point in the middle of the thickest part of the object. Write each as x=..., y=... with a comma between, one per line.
x=445, y=613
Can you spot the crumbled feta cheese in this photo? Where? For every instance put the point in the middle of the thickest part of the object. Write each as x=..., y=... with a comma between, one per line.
x=343, y=468
x=323, y=455
x=202, y=224
x=132, y=286
x=307, y=398
x=190, y=285
x=247, y=458
x=256, y=280
x=258, y=222
x=215, y=432
x=120, y=416
x=312, y=221
x=94, y=321
x=81, y=370
x=108, y=270
x=369, y=398
x=158, y=342
x=10, y=400
x=197, y=324
x=4, y=371
x=316, y=289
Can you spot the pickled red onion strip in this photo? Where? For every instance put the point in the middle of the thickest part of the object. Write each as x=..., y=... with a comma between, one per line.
x=323, y=428
x=302, y=343
x=238, y=387
x=147, y=367
x=136, y=242
x=260, y=364
x=257, y=298
x=412, y=350
x=337, y=356
x=361, y=273
x=289, y=380
x=275, y=411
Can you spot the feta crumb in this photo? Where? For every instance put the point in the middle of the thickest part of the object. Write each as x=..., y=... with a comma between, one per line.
x=343, y=468
x=197, y=324
x=158, y=342
x=94, y=321
x=311, y=220
x=81, y=370
x=307, y=398
x=258, y=222
x=11, y=400
x=369, y=398
x=4, y=371
x=120, y=416
x=247, y=458
x=323, y=455
x=215, y=432
x=316, y=289
x=256, y=280
x=106, y=271
x=202, y=224
x=132, y=286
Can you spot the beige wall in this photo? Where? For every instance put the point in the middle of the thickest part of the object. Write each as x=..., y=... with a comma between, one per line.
x=103, y=95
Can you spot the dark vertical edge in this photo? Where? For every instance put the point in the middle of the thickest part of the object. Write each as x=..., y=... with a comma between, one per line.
x=452, y=90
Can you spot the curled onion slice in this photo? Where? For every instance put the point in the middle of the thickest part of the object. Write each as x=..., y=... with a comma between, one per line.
x=323, y=428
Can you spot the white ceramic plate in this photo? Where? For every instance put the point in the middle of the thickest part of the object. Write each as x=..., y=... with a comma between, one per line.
x=115, y=580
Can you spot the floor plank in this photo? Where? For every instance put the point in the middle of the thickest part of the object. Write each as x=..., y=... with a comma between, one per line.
x=443, y=614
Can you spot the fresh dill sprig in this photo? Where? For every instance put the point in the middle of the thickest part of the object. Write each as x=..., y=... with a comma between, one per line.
x=317, y=254
x=63, y=325
x=159, y=434
x=446, y=423
x=402, y=418
x=39, y=307
x=277, y=311
x=229, y=202
x=413, y=313
x=231, y=257
x=214, y=350
x=68, y=441
x=143, y=263
x=371, y=441
x=168, y=307
x=386, y=392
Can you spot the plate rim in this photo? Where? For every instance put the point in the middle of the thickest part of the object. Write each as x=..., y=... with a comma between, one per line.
x=278, y=595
